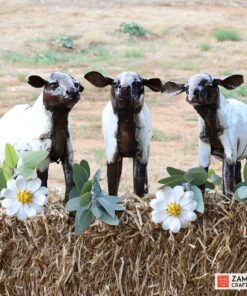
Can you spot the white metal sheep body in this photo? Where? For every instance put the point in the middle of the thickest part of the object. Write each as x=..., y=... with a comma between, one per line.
x=222, y=124
x=44, y=126
x=127, y=126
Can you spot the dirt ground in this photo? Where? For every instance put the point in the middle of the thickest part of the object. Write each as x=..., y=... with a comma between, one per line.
x=181, y=44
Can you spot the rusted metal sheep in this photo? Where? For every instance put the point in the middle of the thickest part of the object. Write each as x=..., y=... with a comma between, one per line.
x=222, y=124
x=127, y=126
x=44, y=125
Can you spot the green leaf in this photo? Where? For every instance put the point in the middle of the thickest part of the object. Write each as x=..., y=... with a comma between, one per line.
x=85, y=220
x=215, y=179
x=86, y=167
x=33, y=159
x=7, y=171
x=198, y=197
x=78, y=214
x=241, y=192
x=87, y=187
x=113, y=198
x=172, y=181
x=74, y=193
x=73, y=204
x=96, y=186
x=26, y=172
x=240, y=185
x=96, y=176
x=80, y=176
x=198, y=175
x=11, y=157
x=174, y=172
x=96, y=210
x=209, y=185
x=211, y=172
x=117, y=201
x=85, y=199
x=107, y=205
x=245, y=172
x=2, y=180
x=106, y=218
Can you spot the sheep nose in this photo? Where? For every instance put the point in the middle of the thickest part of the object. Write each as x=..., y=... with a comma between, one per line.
x=125, y=91
x=72, y=91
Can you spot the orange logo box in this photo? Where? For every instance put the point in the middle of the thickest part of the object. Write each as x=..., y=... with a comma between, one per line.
x=223, y=281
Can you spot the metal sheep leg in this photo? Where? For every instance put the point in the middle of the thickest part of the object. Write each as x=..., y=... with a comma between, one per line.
x=43, y=176
x=229, y=177
x=114, y=171
x=238, y=177
x=140, y=177
x=202, y=187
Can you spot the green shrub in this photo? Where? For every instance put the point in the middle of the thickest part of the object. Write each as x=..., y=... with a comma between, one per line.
x=205, y=46
x=227, y=34
x=133, y=53
x=133, y=29
x=66, y=42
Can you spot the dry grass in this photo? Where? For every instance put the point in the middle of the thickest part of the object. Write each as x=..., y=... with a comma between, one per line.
x=44, y=257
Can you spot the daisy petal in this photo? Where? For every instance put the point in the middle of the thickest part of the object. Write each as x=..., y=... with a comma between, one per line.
x=37, y=208
x=39, y=199
x=166, y=223
x=190, y=206
x=13, y=209
x=42, y=190
x=178, y=192
x=7, y=202
x=30, y=211
x=11, y=184
x=158, y=216
x=33, y=185
x=158, y=204
x=188, y=215
x=184, y=222
x=20, y=183
x=8, y=193
x=165, y=193
x=175, y=224
x=21, y=215
x=187, y=198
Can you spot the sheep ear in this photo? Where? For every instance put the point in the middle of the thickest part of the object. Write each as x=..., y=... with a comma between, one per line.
x=154, y=84
x=172, y=88
x=229, y=82
x=98, y=79
x=36, y=81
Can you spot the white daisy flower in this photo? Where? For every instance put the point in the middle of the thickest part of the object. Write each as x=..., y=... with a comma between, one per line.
x=174, y=208
x=24, y=198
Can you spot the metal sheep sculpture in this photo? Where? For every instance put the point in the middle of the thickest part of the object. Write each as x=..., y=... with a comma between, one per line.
x=127, y=126
x=44, y=125
x=222, y=124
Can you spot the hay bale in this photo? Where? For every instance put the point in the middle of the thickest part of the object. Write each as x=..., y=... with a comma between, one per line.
x=43, y=256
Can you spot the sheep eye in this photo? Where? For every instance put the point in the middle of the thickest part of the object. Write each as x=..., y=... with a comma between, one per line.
x=117, y=84
x=76, y=84
x=54, y=84
x=138, y=84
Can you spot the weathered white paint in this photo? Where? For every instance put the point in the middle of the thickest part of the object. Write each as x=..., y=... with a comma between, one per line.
x=27, y=128
x=232, y=115
x=110, y=127
x=143, y=132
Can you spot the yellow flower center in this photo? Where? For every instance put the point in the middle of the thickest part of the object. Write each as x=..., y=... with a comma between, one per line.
x=24, y=197
x=173, y=209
